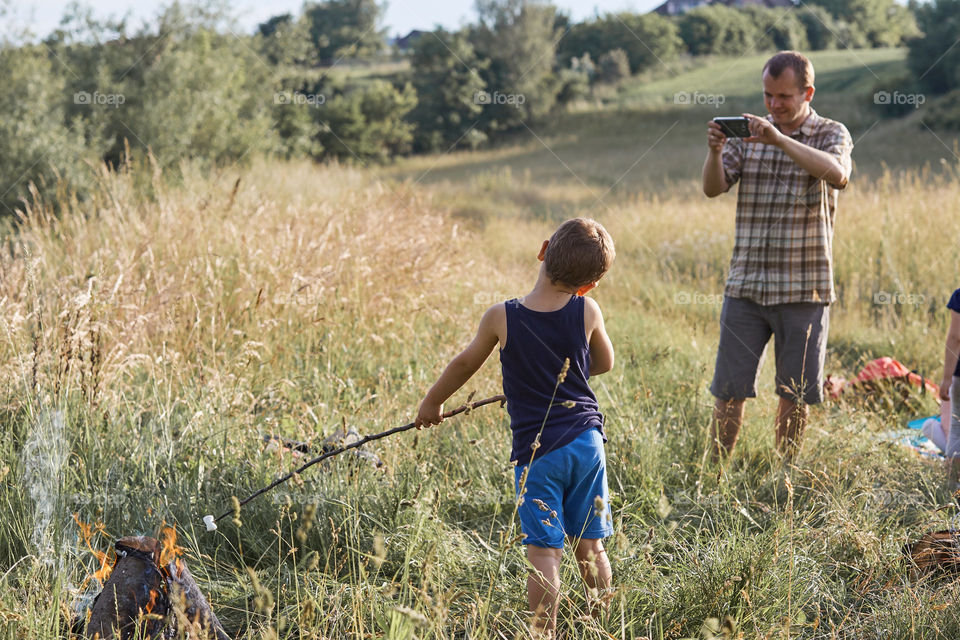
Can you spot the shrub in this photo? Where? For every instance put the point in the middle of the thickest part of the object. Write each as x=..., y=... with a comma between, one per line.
x=614, y=66
x=368, y=123
x=944, y=112
x=36, y=144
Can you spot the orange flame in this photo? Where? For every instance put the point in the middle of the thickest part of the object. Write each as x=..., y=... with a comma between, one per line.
x=153, y=601
x=106, y=560
x=169, y=551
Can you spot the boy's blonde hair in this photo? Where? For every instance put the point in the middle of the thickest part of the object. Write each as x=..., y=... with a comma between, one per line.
x=579, y=253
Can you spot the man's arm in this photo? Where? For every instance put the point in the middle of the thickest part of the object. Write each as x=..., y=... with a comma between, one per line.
x=601, y=348
x=463, y=366
x=714, y=178
x=817, y=163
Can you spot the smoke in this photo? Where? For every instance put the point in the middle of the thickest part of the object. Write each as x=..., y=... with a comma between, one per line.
x=43, y=458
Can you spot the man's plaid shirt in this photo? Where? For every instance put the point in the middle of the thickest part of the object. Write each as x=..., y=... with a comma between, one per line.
x=785, y=217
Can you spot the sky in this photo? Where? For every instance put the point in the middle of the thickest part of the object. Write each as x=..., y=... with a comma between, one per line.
x=42, y=16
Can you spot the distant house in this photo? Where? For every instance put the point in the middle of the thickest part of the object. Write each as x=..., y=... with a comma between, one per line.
x=677, y=7
x=403, y=43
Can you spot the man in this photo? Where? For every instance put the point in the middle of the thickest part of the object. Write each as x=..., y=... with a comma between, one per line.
x=780, y=283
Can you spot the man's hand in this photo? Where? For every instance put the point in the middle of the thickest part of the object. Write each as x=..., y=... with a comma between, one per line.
x=429, y=415
x=945, y=388
x=715, y=137
x=762, y=131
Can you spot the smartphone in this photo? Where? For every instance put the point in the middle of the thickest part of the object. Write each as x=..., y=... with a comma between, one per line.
x=735, y=126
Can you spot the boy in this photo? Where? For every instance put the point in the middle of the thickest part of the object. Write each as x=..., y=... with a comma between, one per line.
x=950, y=391
x=551, y=341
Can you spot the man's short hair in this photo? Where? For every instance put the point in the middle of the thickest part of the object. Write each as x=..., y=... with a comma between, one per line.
x=579, y=253
x=801, y=65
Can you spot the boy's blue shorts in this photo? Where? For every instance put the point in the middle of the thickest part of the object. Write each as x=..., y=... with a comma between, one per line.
x=561, y=491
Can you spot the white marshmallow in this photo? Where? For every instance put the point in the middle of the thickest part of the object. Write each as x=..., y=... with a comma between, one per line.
x=211, y=525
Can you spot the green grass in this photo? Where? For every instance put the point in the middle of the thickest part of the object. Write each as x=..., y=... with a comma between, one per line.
x=152, y=336
x=639, y=141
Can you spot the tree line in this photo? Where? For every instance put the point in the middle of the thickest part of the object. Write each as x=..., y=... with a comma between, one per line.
x=190, y=86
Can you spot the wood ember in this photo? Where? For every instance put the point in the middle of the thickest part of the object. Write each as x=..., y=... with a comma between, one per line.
x=150, y=595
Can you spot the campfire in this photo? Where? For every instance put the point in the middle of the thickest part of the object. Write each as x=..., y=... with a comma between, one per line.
x=148, y=592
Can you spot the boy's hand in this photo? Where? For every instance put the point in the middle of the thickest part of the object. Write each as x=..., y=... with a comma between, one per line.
x=429, y=415
x=945, y=388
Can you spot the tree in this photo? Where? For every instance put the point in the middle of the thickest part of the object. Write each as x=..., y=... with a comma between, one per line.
x=344, y=29
x=446, y=76
x=882, y=23
x=780, y=29
x=935, y=57
x=719, y=30
x=205, y=97
x=647, y=39
x=284, y=40
x=519, y=38
x=823, y=30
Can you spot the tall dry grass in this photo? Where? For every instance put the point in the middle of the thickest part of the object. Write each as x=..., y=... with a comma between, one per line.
x=154, y=334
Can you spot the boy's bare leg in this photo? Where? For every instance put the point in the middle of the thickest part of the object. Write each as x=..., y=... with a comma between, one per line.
x=595, y=569
x=543, y=589
x=791, y=422
x=727, y=419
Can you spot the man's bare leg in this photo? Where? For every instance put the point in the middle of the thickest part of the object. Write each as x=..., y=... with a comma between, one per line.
x=595, y=568
x=791, y=423
x=543, y=589
x=953, y=475
x=727, y=420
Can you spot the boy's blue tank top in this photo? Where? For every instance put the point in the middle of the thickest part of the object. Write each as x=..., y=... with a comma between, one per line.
x=538, y=342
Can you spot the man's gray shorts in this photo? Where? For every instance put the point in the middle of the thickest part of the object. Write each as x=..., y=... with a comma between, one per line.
x=800, y=347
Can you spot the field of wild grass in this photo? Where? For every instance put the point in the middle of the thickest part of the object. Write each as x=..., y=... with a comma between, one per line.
x=152, y=336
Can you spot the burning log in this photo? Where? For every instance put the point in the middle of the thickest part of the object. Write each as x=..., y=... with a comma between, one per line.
x=151, y=594
x=133, y=598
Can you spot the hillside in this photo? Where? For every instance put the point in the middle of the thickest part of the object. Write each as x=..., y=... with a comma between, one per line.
x=638, y=139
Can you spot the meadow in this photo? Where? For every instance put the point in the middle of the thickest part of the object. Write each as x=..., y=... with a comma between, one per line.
x=153, y=334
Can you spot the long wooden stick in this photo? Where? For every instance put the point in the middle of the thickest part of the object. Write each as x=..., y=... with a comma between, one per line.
x=466, y=408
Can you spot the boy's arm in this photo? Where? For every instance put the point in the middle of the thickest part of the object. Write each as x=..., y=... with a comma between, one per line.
x=463, y=366
x=601, y=349
x=950, y=355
